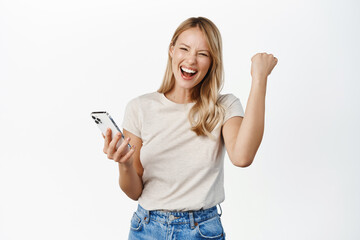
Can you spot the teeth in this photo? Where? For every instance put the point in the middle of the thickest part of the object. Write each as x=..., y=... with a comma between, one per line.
x=188, y=70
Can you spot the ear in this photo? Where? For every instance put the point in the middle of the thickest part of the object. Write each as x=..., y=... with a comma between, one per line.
x=171, y=50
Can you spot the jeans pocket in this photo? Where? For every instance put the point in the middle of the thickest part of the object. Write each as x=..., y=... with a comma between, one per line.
x=136, y=222
x=211, y=229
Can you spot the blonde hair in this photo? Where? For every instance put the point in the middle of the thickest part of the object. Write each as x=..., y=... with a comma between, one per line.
x=207, y=112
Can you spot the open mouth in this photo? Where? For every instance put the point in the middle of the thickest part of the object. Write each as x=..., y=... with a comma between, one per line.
x=187, y=73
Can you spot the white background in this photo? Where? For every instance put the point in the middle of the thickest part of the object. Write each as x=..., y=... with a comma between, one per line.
x=61, y=60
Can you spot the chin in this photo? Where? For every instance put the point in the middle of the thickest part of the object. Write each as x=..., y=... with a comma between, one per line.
x=186, y=85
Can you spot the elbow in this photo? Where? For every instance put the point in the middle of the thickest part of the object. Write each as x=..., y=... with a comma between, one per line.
x=134, y=198
x=134, y=195
x=242, y=165
x=243, y=162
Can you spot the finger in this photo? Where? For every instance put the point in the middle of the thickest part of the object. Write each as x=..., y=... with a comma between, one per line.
x=112, y=146
x=107, y=140
x=108, y=137
x=121, y=150
x=254, y=56
x=103, y=135
x=128, y=155
x=274, y=62
x=113, y=143
x=110, y=156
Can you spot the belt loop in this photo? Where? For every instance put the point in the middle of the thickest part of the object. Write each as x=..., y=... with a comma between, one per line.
x=220, y=210
x=147, y=216
x=192, y=222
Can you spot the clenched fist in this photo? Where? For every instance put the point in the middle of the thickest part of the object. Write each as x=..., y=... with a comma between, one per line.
x=262, y=65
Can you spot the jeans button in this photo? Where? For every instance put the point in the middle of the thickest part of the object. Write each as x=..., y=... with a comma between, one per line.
x=171, y=217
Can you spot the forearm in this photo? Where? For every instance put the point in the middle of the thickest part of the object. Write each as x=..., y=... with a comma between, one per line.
x=252, y=127
x=130, y=182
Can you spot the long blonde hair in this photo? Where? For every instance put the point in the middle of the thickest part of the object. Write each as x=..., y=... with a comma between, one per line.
x=207, y=112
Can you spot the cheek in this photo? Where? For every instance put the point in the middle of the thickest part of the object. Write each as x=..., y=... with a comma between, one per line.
x=205, y=65
x=178, y=55
x=175, y=58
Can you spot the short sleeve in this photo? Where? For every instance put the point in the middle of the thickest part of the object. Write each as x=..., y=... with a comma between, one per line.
x=233, y=106
x=132, y=119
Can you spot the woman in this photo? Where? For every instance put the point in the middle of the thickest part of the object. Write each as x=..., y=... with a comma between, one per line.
x=179, y=134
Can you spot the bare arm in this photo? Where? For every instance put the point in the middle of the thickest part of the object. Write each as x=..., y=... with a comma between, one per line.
x=130, y=179
x=130, y=182
x=130, y=168
x=243, y=136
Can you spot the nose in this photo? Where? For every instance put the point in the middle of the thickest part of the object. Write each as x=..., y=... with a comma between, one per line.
x=191, y=58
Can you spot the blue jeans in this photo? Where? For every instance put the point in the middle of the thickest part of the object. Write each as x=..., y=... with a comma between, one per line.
x=167, y=225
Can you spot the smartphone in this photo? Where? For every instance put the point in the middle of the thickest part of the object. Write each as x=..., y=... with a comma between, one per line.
x=104, y=121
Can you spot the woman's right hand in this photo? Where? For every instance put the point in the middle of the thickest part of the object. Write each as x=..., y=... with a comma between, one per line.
x=118, y=155
x=262, y=65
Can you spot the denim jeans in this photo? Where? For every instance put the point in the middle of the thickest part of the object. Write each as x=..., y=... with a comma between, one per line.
x=167, y=225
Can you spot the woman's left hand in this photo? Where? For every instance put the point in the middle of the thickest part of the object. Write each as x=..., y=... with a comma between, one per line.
x=262, y=65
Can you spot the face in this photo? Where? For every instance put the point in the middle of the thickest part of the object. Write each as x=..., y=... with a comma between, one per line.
x=191, y=58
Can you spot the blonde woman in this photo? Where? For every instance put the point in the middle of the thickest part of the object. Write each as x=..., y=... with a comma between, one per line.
x=178, y=134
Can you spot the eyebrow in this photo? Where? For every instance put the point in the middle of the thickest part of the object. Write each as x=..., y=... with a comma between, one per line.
x=190, y=47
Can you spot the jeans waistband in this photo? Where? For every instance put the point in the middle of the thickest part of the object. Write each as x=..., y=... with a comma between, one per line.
x=175, y=217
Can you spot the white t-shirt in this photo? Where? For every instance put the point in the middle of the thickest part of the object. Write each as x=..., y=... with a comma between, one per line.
x=182, y=171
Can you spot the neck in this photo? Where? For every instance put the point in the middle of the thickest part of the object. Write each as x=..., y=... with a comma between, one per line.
x=179, y=96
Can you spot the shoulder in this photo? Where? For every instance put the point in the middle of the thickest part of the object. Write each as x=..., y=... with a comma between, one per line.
x=227, y=99
x=148, y=96
x=231, y=105
x=144, y=98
